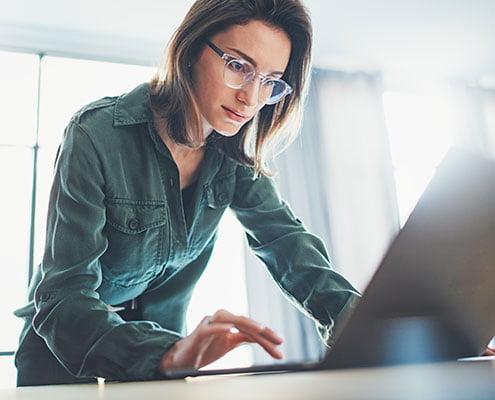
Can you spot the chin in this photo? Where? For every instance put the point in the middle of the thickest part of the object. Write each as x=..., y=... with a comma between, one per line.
x=225, y=133
x=228, y=131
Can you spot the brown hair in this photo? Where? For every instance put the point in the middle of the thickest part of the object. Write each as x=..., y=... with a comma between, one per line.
x=275, y=126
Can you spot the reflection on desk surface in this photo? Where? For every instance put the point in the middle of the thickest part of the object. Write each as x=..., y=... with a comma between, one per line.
x=442, y=381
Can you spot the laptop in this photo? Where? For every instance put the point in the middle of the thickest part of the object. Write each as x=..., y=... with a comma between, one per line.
x=432, y=297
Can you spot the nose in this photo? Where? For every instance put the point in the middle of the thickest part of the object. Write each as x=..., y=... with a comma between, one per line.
x=249, y=94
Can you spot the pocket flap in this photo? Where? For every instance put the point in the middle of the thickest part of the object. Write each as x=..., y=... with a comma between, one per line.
x=220, y=192
x=135, y=216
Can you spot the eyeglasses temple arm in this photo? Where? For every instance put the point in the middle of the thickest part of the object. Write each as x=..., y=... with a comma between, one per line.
x=215, y=48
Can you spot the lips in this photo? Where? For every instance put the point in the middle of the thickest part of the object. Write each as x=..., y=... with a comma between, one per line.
x=235, y=115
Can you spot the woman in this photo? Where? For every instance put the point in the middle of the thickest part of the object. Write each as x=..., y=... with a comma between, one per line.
x=141, y=183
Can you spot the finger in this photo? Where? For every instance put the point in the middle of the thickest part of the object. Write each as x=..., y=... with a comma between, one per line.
x=239, y=337
x=206, y=320
x=214, y=328
x=205, y=336
x=220, y=328
x=264, y=336
x=247, y=325
x=489, y=352
x=207, y=327
x=271, y=335
x=268, y=346
x=246, y=322
x=210, y=332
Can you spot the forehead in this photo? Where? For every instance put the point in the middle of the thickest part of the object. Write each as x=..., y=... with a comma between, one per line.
x=267, y=46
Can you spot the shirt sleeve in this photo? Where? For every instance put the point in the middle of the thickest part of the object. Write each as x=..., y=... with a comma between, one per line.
x=87, y=338
x=296, y=259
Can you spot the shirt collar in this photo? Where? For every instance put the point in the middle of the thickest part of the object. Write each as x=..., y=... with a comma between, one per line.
x=133, y=108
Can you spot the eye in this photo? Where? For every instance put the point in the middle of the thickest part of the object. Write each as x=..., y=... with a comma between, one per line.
x=237, y=66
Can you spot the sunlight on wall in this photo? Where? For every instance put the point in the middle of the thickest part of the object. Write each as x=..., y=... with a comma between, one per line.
x=420, y=128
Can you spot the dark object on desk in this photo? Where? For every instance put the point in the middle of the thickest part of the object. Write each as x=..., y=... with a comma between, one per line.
x=432, y=297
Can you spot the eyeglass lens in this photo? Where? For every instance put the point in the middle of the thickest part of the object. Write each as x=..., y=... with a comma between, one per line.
x=238, y=73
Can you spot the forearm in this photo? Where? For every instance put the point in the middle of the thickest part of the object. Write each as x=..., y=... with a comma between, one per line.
x=297, y=260
x=90, y=340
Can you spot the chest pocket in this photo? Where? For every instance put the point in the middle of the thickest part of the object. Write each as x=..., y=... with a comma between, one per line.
x=216, y=197
x=220, y=192
x=138, y=240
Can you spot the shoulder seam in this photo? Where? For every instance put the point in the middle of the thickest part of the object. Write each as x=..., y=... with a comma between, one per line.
x=102, y=103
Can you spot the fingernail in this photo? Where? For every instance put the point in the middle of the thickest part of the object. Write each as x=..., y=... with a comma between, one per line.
x=278, y=339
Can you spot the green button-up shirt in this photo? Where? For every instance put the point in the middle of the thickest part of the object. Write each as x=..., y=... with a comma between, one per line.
x=117, y=231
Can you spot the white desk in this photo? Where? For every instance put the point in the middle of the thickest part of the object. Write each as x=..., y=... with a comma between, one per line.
x=446, y=381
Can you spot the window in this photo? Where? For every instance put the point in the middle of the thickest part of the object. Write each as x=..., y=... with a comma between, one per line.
x=18, y=108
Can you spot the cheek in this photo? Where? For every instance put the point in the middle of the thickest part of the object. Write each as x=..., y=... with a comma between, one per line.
x=207, y=84
x=201, y=89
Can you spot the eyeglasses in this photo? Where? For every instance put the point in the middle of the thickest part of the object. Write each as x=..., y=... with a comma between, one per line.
x=238, y=73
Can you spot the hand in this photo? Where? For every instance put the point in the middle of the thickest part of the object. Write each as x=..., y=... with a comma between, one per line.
x=489, y=352
x=214, y=337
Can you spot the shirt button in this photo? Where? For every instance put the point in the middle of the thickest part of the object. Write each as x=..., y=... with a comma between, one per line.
x=222, y=197
x=133, y=223
x=45, y=297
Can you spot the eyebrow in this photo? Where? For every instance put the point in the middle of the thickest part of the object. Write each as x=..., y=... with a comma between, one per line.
x=247, y=58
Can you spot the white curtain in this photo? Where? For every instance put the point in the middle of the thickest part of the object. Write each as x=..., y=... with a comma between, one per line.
x=359, y=181
x=489, y=118
x=475, y=109
x=338, y=179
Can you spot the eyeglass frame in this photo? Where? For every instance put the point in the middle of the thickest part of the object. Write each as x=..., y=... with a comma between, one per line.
x=264, y=78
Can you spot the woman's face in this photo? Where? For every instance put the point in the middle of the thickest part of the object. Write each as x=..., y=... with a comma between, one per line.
x=224, y=109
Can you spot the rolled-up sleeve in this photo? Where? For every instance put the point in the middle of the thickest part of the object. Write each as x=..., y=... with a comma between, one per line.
x=87, y=338
x=296, y=259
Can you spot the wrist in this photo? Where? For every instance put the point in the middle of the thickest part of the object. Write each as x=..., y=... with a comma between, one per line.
x=168, y=360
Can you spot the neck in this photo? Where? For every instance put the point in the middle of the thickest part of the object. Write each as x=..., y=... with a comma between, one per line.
x=160, y=124
x=179, y=151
